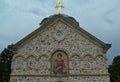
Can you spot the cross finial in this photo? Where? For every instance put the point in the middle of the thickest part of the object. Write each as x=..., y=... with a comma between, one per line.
x=59, y=5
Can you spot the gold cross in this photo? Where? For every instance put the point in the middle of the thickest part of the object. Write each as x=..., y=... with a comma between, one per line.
x=59, y=5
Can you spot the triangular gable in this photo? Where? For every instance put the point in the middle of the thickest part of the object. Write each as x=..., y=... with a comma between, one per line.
x=70, y=22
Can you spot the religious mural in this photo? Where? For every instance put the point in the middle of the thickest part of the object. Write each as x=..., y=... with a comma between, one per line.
x=59, y=63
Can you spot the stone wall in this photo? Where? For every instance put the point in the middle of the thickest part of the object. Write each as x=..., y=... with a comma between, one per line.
x=63, y=79
x=34, y=56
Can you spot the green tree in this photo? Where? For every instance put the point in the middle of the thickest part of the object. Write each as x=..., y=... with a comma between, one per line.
x=5, y=63
x=114, y=70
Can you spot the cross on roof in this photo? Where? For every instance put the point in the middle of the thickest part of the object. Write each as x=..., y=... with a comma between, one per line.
x=59, y=5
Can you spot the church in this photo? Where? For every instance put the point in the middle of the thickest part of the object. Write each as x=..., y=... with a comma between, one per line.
x=60, y=51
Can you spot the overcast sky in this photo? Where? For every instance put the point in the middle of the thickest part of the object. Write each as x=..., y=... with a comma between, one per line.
x=101, y=18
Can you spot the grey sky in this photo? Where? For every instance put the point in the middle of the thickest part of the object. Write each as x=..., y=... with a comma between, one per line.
x=101, y=18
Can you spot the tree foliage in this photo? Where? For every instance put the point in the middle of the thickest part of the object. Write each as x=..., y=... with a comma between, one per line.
x=114, y=70
x=5, y=63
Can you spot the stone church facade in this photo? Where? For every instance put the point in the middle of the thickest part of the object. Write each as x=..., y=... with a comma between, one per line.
x=60, y=51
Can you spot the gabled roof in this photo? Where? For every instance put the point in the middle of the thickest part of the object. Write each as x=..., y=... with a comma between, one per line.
x=69, y=21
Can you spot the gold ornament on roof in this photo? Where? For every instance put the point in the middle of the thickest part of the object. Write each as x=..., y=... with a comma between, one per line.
x=59, y=5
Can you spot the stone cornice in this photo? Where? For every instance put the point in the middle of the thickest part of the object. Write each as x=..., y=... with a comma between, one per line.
x=42, y=75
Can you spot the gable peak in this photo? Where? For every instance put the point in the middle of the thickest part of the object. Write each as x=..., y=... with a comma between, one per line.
x=59, y=16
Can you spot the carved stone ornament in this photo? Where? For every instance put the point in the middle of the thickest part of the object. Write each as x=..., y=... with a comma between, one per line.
x=59, y=35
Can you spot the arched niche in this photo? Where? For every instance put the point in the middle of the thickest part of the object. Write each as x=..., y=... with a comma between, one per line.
x=101, y=65
x=75, y=64
x=87, y=57
x=100, y=60
x=17, y=55
x=59, y=63
x=31, y=64
x=88, y=64
x=43, y=64
x=18, y=64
